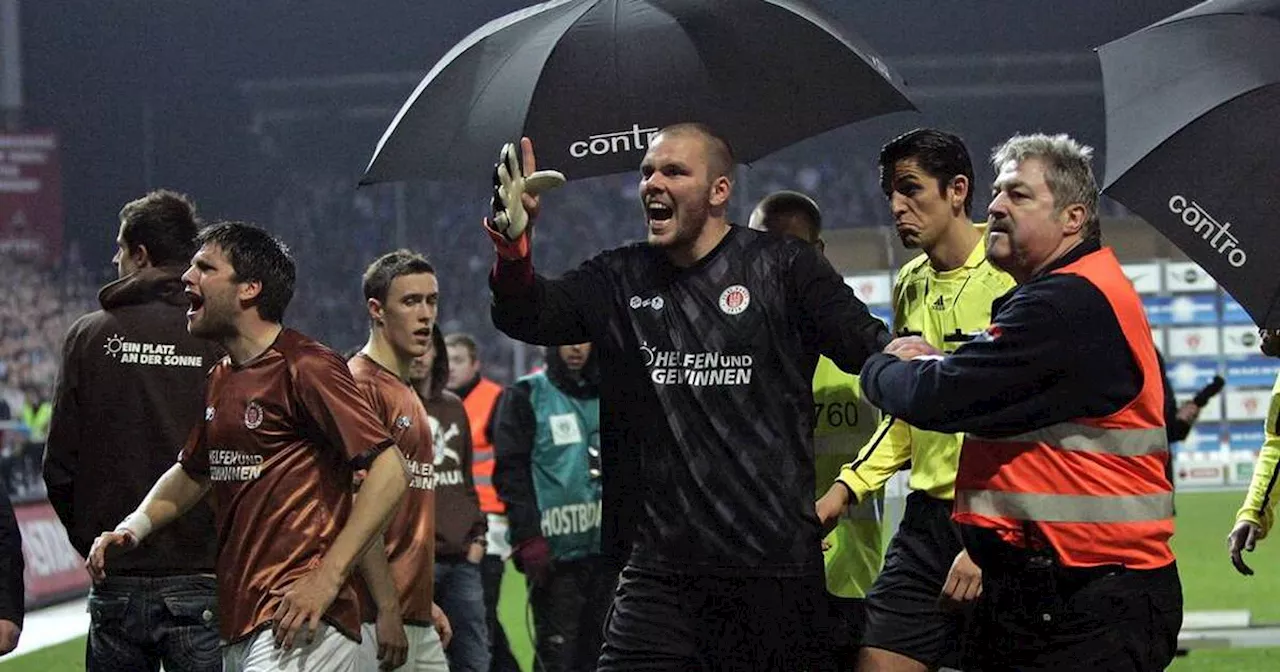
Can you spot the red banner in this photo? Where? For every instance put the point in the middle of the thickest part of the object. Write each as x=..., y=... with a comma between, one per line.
x=30, y=195
x=54, y=569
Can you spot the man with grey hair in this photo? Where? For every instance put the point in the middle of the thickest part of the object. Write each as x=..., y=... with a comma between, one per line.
x=1061, y=496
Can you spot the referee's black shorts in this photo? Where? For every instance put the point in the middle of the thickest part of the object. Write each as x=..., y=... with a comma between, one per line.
x=902, y=611
x=664, y=622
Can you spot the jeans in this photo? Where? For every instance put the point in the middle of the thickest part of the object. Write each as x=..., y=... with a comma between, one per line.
x=459, y=592
x=493, y=567
x=138, y=622
x=569, y=609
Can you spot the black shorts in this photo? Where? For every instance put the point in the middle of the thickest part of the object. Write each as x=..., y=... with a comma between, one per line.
x=847, y=617
x=664, y=622
x=1052, y=618
x=903, y=613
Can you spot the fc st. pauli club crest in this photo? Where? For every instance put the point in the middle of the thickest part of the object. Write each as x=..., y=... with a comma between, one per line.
x=734, y=299
x=253, y=415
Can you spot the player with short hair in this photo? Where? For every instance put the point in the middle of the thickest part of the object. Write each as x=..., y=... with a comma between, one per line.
x=401, y=296
x=843, y=422
x=708, y=335
x=915, y=619
x=284, y=430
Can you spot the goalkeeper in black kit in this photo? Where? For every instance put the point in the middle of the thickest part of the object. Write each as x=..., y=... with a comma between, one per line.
x=709, y=334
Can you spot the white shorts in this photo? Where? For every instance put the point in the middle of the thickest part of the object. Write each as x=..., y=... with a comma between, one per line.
x=426, y=653
x=330, y=651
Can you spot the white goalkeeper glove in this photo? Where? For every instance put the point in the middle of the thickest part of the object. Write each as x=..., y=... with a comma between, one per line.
x=509, y=184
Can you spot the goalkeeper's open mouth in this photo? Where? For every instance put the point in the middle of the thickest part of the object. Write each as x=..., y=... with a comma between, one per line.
x=658, y=212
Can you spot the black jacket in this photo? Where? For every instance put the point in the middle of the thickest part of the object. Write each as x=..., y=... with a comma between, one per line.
x=1060, y=355
x=130, y=389
x=1055, y=353
x=706, y=393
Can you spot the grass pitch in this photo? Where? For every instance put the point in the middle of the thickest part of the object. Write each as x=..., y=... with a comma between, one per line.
x=1209, y=582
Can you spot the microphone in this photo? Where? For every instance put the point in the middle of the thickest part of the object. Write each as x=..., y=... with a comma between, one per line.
x=1203, y=396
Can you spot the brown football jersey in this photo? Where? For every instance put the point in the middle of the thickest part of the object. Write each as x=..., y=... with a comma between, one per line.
x=280, y=439
x=411, y=535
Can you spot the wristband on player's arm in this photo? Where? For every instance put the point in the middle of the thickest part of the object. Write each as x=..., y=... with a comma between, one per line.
x=508, y=249
x=136, y=525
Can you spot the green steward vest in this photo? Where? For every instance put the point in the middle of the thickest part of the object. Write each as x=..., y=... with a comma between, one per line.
x=568, y=494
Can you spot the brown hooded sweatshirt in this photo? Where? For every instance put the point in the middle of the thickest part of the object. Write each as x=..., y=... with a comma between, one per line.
x=130, y=388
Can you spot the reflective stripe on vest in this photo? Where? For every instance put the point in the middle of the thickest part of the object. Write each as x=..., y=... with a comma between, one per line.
x=1066, y=508
x=479, y=406
x=1094, y=489
x=1089, y=439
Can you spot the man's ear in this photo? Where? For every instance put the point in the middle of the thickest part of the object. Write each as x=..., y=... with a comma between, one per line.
x=376, y=310
x=1074, y=217
x=141, y=257
x=248, y=291
x=959, y=188
x=721, y=189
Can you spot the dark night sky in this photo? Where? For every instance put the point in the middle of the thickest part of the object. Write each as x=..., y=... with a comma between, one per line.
x=92, y=68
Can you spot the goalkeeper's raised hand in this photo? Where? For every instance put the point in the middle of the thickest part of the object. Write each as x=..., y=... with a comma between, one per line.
x=516, y=186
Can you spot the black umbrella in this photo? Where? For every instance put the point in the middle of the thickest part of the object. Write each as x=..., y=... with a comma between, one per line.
x=1193, y=139
x=589, y=80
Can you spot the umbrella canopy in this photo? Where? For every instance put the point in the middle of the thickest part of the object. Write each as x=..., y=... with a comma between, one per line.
x=1193, y=139
x=590, y=80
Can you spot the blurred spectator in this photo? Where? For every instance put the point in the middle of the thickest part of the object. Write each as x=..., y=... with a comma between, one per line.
x=547, y=437
x=460, y=525
x=36, y=411
x=480, y=398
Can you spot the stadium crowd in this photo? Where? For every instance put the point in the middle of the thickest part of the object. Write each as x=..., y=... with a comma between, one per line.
x=37, y=305
x=438, y=220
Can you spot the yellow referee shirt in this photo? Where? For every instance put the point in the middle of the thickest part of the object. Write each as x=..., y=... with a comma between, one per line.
x=1260, y=502
x=946, y=309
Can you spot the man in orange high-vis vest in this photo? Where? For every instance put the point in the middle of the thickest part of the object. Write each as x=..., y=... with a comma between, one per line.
x=1061, y=495
x=480, y=398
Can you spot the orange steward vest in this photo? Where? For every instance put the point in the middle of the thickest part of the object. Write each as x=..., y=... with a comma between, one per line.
x=479, y=406
x=1094, y=489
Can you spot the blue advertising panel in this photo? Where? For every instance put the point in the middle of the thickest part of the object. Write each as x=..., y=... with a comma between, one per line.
x=1253, y=372
x=1192, y=374
x=1233, y=312
x=1157, y=310
x=1245, y=435
x=1204, y=437
x=1193, y=309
